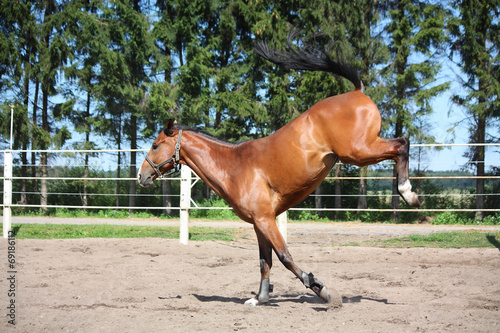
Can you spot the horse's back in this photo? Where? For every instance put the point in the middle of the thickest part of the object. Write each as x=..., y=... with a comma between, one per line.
x=346, y=122
x=346, y=113
x=337, y=124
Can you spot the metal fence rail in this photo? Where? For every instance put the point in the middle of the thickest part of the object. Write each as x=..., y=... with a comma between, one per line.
x=186, y=185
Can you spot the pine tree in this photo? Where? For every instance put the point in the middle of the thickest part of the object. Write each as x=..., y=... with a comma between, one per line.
x=85, y=36
x=348, y=25
x=475, y=33
x=17, y=51
x=215, y=80
x=361, y=19
x=163, y=101
x=272, y=23
x=125, y=71
x=326, y=27
x=53, y=55
x=415, y=33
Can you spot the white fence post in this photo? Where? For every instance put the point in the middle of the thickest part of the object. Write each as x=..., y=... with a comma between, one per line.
x=7, y=193
x=185, y=203
x=282, y=224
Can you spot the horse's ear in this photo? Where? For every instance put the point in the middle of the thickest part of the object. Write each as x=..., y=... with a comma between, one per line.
x=169, y=125
x=168, y=128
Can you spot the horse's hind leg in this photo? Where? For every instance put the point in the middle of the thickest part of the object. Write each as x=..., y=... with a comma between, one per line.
x=394, y=149
x=404, y=186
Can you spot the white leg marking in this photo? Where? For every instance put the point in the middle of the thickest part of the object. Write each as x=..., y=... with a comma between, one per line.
x=252, y=302
x=405, y=189
x=410, y=197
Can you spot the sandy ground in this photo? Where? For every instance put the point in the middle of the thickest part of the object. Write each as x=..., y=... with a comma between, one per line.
x=158, y=285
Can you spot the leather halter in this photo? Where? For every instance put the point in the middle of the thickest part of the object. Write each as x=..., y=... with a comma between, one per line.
x=174, y=158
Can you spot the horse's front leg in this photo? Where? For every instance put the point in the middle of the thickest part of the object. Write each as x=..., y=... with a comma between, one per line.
x=267, y=228
x=266, y=262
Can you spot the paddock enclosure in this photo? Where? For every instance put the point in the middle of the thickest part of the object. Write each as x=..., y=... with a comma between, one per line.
x=107, y=188
x=157, y=285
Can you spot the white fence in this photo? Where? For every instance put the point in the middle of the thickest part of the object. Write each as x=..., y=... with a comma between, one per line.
x=186, y=183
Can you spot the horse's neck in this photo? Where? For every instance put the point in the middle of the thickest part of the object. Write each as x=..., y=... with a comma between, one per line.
x=208, y=159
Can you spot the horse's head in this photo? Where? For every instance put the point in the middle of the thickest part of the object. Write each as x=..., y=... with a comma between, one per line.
x=162, y=157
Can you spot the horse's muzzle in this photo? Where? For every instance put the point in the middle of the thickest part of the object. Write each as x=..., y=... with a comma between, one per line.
x=144, y=178
x=145, y=182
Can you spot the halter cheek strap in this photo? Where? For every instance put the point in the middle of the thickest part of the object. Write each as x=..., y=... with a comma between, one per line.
x=175, y=158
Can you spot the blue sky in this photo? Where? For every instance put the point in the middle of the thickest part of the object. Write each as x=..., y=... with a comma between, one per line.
x=442, y=120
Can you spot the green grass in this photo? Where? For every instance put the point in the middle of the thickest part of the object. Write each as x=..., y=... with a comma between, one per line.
x=453, y=218
x=83, y=213
x=62, y=231
x=462, y=219
x=455, y=239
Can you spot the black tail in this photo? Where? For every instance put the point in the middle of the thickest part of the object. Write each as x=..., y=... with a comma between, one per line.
x=308, y=58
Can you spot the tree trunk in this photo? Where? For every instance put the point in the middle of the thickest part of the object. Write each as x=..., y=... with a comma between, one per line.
x=480, y=154
x=362, y=190
x=34, y=185
x=24, y=173
x=166, y=184
x=401, y=62
x=133, y=161
x=24, y=156
x=398, y=133
x=43, y=182
x=207, y=191
x=87, y=140
x=118, y=176
x=318, y=202
x=85, y=175
x=338, y=190
x=167, y=199
x=395, y=196
x=44, y=155
x=395, y=193
x=119, y=161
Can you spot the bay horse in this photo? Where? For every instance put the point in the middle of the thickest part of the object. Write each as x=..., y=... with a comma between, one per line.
x=262, y=178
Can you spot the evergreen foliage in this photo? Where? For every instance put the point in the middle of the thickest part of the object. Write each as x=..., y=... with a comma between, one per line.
x=475, y=45
x=110, y=73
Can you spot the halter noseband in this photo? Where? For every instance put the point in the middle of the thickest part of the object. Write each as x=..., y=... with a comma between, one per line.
x=174, y=158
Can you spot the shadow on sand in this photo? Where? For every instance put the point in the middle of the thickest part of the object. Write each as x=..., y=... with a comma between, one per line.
x=291, y=298
x=493, y=241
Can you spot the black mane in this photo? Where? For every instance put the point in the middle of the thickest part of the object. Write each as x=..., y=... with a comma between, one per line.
x=170, y=132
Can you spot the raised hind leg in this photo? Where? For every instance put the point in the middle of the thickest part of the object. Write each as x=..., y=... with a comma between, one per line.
x=404, y=186
x=267, y=229
x=380, y=150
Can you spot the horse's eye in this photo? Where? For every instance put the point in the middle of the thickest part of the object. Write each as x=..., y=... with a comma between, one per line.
x=155, y=146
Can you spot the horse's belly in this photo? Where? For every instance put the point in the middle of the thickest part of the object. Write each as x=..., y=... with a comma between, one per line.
x=302, y=185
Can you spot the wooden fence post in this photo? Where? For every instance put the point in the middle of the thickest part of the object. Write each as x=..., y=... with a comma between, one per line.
x=7, y=193
x=282, y=224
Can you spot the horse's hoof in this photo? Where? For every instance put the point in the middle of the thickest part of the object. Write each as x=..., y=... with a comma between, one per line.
x=414, y=201
x=334, y=300
x=325, y=295
x=410, y=197
x=252, y=302
x=262, y=299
